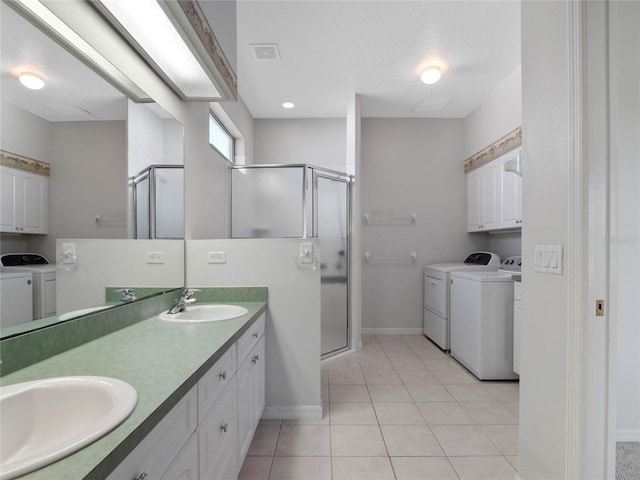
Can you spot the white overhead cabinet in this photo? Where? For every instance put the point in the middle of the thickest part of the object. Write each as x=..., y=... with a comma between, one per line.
x=24, y=201
x=494, y=196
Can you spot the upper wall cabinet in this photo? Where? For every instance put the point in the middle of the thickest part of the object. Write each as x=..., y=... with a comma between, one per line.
x=494, y=196
x=24, y=201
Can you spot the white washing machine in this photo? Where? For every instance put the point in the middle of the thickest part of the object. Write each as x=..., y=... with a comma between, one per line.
x=44, y=280
x=16, y=297
x=482, y=321
x=437, y=296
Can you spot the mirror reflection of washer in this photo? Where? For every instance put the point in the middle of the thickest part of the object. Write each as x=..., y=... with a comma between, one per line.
x=482, y=321
x=44, y=280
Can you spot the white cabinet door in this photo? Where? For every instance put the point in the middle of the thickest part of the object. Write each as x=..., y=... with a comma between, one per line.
x=218, y=437
x=474, y=201
x=154, y=455
x=251, y=397
x=24, y=201
x=511, y=197
x=185, y=467
x=490, y=196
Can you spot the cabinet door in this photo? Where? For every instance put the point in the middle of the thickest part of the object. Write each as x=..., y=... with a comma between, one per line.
x=511, y=198
x=185, y=467
x=259, y=371
x=154, y=455
x=474, y=201
x=490, y=196
x=34, y=204
x=24, y=201
x=218, y=437
x=245, y=408
x=8, y=208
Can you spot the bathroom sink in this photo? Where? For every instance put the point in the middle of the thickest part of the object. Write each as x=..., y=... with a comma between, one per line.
x=83, y=311
x=45, y=420
x=205, y=313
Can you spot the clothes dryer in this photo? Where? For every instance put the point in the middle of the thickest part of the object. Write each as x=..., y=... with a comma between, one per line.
x=44, y=280
x=437, y=293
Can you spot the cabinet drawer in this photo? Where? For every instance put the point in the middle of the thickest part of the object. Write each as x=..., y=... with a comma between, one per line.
x=218, y=437
x=211, y=385
x=185, y=467
x=158, y=449
x=249, y=339
x=435, y=295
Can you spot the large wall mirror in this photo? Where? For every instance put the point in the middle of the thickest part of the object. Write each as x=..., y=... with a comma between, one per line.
x=116, y=166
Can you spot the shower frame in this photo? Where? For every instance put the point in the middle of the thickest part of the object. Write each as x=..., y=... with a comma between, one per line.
x=310, y=226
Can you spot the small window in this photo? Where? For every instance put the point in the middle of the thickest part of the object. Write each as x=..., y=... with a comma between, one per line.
x=220, y=139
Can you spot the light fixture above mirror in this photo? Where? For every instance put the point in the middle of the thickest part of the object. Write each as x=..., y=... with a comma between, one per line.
x=121, y=39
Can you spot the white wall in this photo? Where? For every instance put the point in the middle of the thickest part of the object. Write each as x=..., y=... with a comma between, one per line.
x=411, y=166
x=206, y=179
x=88, y=178
x=497, y=115
x=293, y=315
x=625, y=220
x=144, y=138
x=23, y=133
x=115, y=263
x=320, y=142
x=546, y=148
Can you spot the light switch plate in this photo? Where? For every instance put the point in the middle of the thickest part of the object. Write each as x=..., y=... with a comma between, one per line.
x=155, y=257
x=306, y=252
x=217, y=257
x=548, y=259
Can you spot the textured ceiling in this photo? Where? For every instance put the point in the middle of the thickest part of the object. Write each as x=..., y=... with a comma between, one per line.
x=69, y=83
x=332, y=49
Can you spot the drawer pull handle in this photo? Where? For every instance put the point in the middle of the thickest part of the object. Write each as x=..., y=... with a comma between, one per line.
x=142, y=476
x=224, y=427
x=223, y=375
x=255, y=334
x=255, y=359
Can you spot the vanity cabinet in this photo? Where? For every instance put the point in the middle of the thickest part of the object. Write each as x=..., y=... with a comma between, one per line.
x=23, y=201
x=494, y=197
x=160, y=448
x=207, y=434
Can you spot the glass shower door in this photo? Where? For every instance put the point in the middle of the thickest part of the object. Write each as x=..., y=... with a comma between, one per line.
x=332, y=231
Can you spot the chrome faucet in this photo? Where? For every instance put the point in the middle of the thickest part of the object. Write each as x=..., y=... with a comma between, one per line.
x=185, y=299
x=128, y=295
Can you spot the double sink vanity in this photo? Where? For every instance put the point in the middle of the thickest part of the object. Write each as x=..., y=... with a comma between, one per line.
x=145, y=394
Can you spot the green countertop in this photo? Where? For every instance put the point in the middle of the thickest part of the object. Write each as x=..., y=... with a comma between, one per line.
x=161, y=360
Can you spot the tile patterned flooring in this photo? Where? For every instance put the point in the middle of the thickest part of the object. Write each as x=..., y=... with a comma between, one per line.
x=399, y=409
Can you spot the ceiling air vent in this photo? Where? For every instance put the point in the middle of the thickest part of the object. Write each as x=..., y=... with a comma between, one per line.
x=265, y=51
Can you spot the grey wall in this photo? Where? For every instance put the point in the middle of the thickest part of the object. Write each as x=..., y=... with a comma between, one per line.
x=23, y=133
x=88, y=178
x=321, y=142
x=411, y=166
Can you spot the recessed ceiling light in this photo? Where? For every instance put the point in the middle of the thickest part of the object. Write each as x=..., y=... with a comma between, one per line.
x=288, y=105
x=31, y=80
x=431, y=75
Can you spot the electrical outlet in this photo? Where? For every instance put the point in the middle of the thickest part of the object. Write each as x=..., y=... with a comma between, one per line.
x=217, y=257
x=155, y=257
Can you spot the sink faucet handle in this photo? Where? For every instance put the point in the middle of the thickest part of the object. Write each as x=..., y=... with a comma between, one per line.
x=188, y=292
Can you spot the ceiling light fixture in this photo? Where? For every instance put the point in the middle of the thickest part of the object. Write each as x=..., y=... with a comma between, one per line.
x=431, y=74
x=288, y=105
x=31, y=80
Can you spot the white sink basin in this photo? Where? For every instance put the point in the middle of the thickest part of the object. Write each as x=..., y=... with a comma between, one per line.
x=45, y=420
x=83, y=311
x=205, y=313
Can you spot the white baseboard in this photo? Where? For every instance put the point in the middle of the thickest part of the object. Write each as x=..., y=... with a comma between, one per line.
x=302, y=412
x=628, y=436
x=392, y=331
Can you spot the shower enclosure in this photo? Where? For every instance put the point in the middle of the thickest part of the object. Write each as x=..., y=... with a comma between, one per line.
x=158, y=202
x=302, y=201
